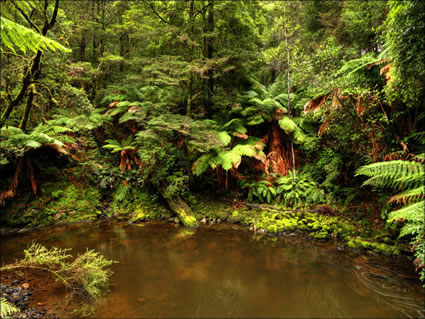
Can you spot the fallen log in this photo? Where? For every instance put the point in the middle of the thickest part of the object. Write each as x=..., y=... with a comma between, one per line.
x=179, y=207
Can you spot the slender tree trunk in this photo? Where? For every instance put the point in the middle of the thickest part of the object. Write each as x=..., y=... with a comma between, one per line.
x=94, y=42
x=210, y=50
x=191, y=51
x=289, y=91
x=24, y=121
x=83, y=46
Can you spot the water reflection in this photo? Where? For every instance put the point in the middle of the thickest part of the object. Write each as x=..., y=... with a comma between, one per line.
x=165, y=271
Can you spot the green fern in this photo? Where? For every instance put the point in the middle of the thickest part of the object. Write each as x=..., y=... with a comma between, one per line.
x=395, y=174
x=305, y=191
x=293, y=130
x=410, y=176
x=123, y=192
x=115, y=146
x=13, y=139
x=14, y=35
x=228, y=158
x=6, y=308
x=263, y=190
x=263, y=101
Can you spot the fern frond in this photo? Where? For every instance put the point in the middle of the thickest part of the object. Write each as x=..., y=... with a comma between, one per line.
x=122, y=193
x=395, y=174
x=414, y=212
x=14, y=35
x=229, y=158
x=410, y=195
x=201, y=164
x=6, y=308
x=224, y=137
x=287, y=125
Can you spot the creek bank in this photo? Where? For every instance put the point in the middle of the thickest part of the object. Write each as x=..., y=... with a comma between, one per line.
x=310, y=224
x=27, y=291
x=65, y=202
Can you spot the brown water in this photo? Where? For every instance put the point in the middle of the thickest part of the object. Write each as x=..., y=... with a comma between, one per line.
x=225, y=271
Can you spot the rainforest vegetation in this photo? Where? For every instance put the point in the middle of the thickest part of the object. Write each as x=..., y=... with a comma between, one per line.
x=311, y=112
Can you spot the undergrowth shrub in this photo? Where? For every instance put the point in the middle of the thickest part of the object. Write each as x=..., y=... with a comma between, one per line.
x=87, y=276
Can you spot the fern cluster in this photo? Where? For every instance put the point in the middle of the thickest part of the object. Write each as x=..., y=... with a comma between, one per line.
x=283, y=190
x=229, y=157
x=14, y=142
x=408, y=176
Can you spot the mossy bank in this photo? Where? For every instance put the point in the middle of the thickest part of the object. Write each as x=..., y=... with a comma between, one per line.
x=63, y=202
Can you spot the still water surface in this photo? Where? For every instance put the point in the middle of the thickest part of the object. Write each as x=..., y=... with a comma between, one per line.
x=225, y=271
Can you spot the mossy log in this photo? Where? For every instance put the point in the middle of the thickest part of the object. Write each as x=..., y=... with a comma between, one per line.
x=181, y=209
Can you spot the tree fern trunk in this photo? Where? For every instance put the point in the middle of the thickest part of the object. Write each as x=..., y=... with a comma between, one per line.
x=278, y=161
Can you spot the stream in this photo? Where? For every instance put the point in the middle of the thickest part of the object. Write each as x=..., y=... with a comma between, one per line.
x=226, y=271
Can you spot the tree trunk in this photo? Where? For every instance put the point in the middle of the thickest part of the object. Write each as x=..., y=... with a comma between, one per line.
x=191, y=51
x=33, y=71
x=83, y=46
x=11, y=192
x=23, y=125
x=94, y=42
x=208, y=53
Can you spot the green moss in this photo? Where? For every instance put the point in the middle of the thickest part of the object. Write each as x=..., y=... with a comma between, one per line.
x=385, y=249
x=352, y=244
x=139, y=215
x=184, y=233
x=235, y=217
x=272, y=229
x=188, y=221
x=321, y=235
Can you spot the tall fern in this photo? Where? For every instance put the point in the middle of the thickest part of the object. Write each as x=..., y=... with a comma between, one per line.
x=408, y=176
x=15, y=35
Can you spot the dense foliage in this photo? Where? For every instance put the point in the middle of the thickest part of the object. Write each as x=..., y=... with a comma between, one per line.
x=274, y=102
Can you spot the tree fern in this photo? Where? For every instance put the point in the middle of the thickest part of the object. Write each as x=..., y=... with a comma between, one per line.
x=115, y=146
x=16, y=141
x=293, y=130
x=410, y=177
x=395, y=174
x=228, y=158
x=14, y=35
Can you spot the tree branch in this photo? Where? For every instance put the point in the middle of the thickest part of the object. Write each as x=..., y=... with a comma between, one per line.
x=200, y=11
x=32, y=25
x=157, y=14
